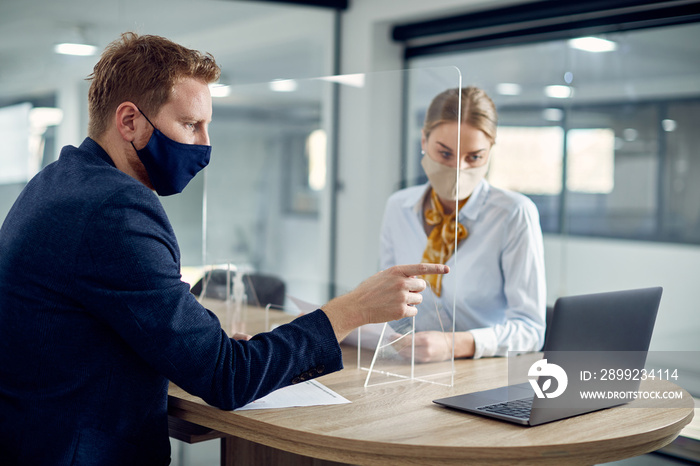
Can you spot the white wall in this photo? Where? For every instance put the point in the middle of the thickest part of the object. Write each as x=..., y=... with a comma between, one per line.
x=585, y=265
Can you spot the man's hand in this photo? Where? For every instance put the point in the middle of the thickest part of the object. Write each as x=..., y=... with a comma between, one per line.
x=386, y=296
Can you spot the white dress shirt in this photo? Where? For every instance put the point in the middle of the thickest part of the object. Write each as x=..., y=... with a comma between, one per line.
x=497, y=271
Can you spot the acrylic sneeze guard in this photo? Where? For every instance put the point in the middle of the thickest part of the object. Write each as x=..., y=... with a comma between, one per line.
x=391, y=352
x=268, y=200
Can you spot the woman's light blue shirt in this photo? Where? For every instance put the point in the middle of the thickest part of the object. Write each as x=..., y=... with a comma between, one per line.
x=497, y=272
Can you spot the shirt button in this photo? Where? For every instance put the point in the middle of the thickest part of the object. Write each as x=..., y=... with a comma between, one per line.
x=296, y=380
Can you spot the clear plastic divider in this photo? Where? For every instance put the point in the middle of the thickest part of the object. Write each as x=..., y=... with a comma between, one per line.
x=269, y=196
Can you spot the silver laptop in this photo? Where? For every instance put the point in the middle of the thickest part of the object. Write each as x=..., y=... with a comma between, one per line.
x=587, y=335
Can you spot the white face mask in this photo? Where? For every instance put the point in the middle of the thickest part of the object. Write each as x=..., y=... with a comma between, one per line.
x=443, y=179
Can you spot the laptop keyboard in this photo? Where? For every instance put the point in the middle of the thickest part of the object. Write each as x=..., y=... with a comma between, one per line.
x=515, y=408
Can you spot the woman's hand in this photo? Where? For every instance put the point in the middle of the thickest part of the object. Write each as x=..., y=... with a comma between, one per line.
x=434, y=346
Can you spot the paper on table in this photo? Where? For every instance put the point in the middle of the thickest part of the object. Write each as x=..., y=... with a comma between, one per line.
x=304, y=306
x=309, y=393
x=368, y=335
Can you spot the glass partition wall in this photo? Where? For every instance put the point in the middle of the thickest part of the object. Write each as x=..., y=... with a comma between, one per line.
x=600, y=132
x=266, y=190
x=597, y=130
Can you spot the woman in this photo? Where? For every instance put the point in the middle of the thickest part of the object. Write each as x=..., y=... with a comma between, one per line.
x=498, y=277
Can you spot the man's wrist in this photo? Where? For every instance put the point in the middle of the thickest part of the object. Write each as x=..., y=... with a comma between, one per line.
x=342, y=316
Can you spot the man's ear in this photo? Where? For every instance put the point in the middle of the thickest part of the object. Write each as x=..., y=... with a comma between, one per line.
x=126, y=115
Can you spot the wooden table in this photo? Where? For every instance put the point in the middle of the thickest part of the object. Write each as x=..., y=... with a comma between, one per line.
x=398, y=424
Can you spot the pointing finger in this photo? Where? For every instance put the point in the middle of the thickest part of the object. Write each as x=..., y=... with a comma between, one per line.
x=410, y=270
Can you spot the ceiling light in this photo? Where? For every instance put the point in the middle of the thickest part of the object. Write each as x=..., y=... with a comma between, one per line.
x=82, y=50
x=283, y=85
x=559, y=92
x=593, y=44
x=508, y=89
x=354, y=80
x=219, y=90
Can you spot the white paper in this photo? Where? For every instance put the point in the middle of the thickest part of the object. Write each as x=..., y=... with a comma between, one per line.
x=309, y=393
x=304, y=306
x=368, y=334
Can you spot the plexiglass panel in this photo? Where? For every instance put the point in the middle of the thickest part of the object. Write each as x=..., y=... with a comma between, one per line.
x=267, y=213
x=418, y=348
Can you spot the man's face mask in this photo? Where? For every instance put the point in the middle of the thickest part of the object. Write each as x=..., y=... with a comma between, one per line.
x=171, y=165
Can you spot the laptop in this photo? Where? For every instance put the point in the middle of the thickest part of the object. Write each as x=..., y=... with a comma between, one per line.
x=588, y=335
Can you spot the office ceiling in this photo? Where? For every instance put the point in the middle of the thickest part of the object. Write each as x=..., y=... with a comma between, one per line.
x=659, y=63
x=30, y=28
x=258, y=41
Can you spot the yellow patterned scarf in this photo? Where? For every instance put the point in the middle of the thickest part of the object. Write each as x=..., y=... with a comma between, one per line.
x=441, y=241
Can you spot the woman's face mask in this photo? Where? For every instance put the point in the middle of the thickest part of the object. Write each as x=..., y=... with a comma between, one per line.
x=171, y=165
x=443, y=179
x=441, y=143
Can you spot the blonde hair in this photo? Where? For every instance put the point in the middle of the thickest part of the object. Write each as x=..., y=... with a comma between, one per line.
x=477, y=110
x=142, y=70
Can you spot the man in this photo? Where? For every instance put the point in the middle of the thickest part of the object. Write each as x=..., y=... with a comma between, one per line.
x=94, y=318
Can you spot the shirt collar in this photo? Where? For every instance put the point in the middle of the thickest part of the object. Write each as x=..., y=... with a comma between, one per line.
x=415, y=199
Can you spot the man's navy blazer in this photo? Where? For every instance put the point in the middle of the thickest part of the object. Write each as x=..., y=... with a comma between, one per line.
x=94, y=321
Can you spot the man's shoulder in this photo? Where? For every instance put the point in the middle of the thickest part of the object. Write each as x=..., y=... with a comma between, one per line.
x=84, y=173
x=79, y=185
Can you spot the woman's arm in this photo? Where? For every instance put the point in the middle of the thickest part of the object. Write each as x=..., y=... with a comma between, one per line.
x=522, y=264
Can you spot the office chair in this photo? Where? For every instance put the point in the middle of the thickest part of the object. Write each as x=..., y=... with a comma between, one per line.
x=260, y=289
